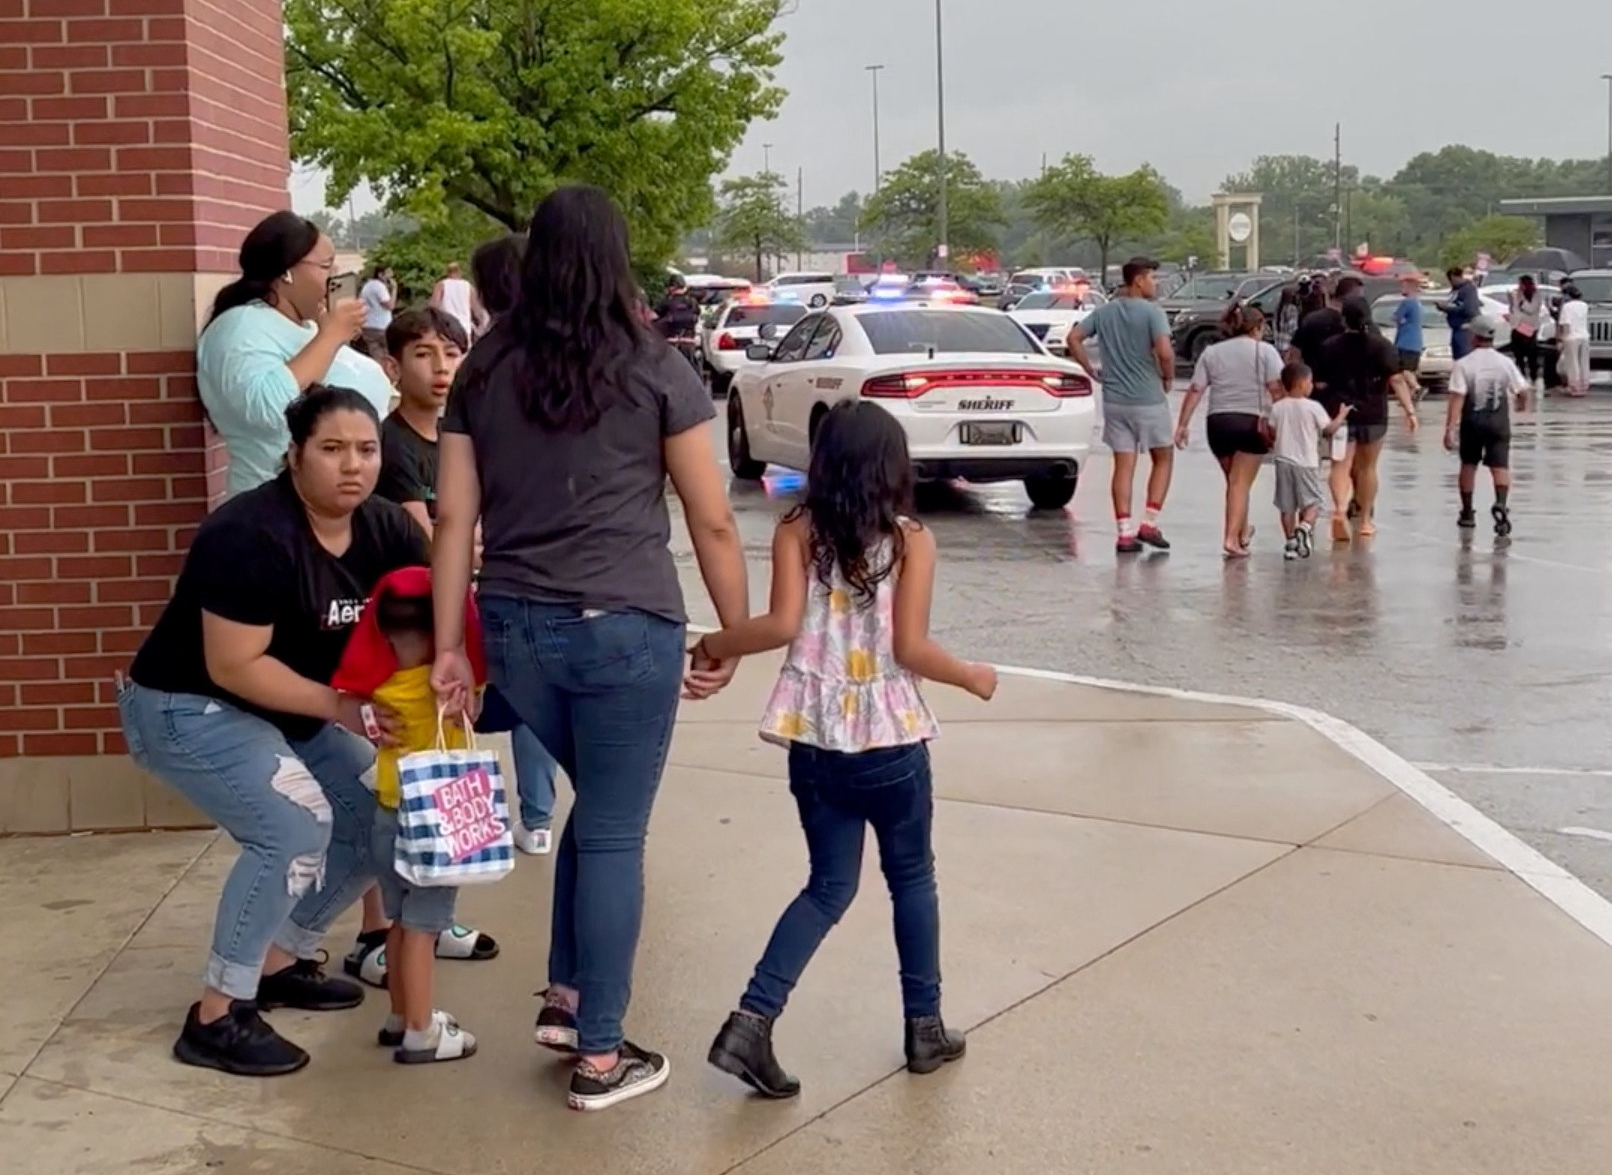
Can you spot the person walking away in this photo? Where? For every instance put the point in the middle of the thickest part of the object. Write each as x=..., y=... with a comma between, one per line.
x=1463, y=307
x=1478, y=424
x=388, y=658
x=560, y=434
x=1408, y=326
x=454, y=294
x=853, y=576
x=1363, y=368
x=379, y=295
x=1527, y=315
x=1573, y=339
x=678, y=318
x=1242, y=376
x=1316, y=329
x=1138, y=369
x=1300, y=425
x=271, y=336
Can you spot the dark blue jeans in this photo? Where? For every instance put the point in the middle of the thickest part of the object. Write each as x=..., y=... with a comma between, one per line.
x=839, y=795
x=599, y=690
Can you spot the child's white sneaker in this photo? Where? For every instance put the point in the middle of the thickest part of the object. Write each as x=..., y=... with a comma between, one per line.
x=535, y=842
x=1291, y=551
x=442, y=1040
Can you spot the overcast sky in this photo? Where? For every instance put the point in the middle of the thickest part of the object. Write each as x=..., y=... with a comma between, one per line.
x=1195, y=87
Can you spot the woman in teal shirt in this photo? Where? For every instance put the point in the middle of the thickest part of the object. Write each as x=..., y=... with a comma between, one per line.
x=271, y=335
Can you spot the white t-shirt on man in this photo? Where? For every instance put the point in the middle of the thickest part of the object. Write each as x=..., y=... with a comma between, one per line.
x=1298, y=424
x=1575, y=319
x=377, y=299
x=454, y=295
x=1488, y=379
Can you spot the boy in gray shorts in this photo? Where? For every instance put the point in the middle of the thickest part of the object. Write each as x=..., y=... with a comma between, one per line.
x=1300, y=423
x=1138, y=367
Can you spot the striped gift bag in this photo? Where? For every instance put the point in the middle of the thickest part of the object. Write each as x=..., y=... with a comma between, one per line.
x=453, y=817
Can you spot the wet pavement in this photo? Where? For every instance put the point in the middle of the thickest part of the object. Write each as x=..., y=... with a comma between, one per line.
x=1488, y=665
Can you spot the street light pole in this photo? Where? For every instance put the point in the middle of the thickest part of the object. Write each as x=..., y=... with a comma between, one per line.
x=766, y=158
x=878, y=171
x=1607, y=78
x=943, y=228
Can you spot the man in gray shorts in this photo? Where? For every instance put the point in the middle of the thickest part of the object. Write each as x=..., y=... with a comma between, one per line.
x=1138, y=367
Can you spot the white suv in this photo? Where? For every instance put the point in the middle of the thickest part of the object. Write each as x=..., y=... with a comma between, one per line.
x=812, y=290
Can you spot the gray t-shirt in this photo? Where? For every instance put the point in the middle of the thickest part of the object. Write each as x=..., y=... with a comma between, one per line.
x=1235, y=373
x=1127, y=329
x=578, y=518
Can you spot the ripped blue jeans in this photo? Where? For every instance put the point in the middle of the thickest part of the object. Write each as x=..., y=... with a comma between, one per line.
x=298, y=809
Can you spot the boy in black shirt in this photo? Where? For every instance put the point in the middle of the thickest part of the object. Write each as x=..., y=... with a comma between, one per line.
x=424, y=348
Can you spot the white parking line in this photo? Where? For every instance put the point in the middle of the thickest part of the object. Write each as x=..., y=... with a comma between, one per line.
x=1491, y=769
x=1593, y=833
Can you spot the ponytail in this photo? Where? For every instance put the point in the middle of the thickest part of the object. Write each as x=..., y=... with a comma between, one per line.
x=1242, y=320
x=269, y=252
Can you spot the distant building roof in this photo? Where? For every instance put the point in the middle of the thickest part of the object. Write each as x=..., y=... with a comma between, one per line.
x=1557, y=206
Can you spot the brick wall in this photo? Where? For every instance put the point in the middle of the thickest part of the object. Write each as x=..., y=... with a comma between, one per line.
x=139, y=141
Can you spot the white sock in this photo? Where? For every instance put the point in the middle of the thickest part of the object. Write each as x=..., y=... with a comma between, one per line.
x=421, y=1039
x=394, y=1023
x=1124, y=525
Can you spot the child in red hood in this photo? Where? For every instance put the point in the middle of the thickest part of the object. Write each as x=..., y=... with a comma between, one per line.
x=388, y=658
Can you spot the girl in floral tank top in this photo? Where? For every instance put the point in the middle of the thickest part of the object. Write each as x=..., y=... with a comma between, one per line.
x=852, y=580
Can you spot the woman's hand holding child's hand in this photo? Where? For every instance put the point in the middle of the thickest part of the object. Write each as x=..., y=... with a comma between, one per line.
x=707, y=676
x=981, y=681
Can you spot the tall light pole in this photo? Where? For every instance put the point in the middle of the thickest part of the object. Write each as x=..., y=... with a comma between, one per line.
x=878, y=171
x=942, y=225
x=766, y=158
x=1607, y=78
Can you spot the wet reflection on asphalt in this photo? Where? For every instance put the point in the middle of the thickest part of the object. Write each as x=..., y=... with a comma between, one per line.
x=1453, y=650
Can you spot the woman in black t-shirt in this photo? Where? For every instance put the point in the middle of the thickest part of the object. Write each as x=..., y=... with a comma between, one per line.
x=227, y=702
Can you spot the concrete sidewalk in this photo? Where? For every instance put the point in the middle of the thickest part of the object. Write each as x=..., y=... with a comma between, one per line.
x=1185, y=937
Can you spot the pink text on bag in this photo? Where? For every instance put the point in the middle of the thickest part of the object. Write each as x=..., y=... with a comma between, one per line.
x=467, y=813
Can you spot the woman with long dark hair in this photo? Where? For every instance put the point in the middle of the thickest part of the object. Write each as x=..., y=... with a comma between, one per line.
x=495, y=267
x=272, y=335
x=561, y=431
x=1241, y=376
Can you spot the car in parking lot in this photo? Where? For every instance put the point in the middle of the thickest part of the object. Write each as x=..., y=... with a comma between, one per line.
x=1050, y=315
x=978, y=396
x=1437, y=358
x=812, y=290
x=1596, y=286
x=736, y=326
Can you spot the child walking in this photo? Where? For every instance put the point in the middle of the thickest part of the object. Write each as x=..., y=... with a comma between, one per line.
x=1300, y=423
x=852, y=579
x=388, y=658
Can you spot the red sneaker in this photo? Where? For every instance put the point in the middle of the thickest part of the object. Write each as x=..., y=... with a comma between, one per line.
x=1153, y=537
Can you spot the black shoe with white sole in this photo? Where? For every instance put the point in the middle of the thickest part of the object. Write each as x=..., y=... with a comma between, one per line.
x=240, y=1042
x=637, y=1072
x=930, y=1044
x=556, y=1027
x=1467, y=520
x=1502, y=521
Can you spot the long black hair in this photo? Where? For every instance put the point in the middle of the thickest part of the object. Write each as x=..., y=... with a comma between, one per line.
x=575, y=325
x=277, y=243
x=495, y=267
x=302, y=415
x=858, y=489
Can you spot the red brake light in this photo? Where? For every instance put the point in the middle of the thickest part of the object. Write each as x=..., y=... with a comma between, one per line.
x=726, y=342
x=909, y=385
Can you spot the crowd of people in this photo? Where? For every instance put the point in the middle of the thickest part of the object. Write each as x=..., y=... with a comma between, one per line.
x=496, y=548
x=1258, y=406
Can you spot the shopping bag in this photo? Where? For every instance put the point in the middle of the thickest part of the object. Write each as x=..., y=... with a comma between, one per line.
x=453, y=816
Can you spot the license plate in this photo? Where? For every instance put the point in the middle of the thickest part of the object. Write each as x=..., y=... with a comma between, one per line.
x=995, y=432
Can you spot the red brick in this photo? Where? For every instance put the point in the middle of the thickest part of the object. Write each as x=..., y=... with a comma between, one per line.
x=28, y=669
x=112, y=185
x=156, y=209
x=14, y=518
x=145, y=7
x=164, y=566
x=133, y=591
x=68, y=109
x=78, y=262
x=90, y=718
x=166, y=514
x=118, y=236
x=17, y=264
x=151, y=53
x=115, y=134
x=74, y=159
x=112, y=743
x=80, y=743
x=170, y=81
x=26, y=720
x=145, y=539
x=57, y=693
x=24, y=416
x=127, y=439
x=20, y=365
x=67, y=7
x=149, y=614
x=166, y=260
x=16, y=212
x=111, y=32
x=94, y=567
x=12, y=56
x=37, y=644
x=151, y=106
x=27, y=619
x=50, y=542
x=31, y=83
x=159, y=362
x=44, y=391
x=58, y=236
x=19, y=467
x=108, y=81
x=69, y=363
x=128, y=387
x=99, y=616
x=74, y=211
x=34, y=134
x=48, y=493
x=92, y=667
x=130, y=489
x=88, y=415
x=10, y=746
x=167, y=411
x=48, y=442
x=90, y=517
x=15, y=162
x=70, y=56
x=54, y=594
x=90, y=465
x=122, y=640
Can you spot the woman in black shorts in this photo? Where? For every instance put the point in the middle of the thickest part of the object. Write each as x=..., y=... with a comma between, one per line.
x=1363, y=369
x=1240, y=375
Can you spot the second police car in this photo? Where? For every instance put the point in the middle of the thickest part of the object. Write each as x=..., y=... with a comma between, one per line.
x=978, y=396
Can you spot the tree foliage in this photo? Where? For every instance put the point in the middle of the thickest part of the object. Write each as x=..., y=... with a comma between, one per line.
x=1075, y=201
x=903, y=217
x=1501, y=237
x=753, y=223
x=491, y=104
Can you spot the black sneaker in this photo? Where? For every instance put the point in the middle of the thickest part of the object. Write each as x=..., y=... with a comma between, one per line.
x=239, y=1042
x=305, y=985
x=1468, y=520
x=1128, y=544
x=1304, y=540
x=1502, y=521
x=638, y=1071
x=1154, y=537
x=930, y=1044
x=557, y=1027
x=744, y=1049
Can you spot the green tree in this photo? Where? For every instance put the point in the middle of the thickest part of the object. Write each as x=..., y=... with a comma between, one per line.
x=1502, y=237
x=752, y=220
x=419, y=255
x=836, y=225
x=1189, y=234
x=491, y=104
x=1077, y=202
x=903, y=215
